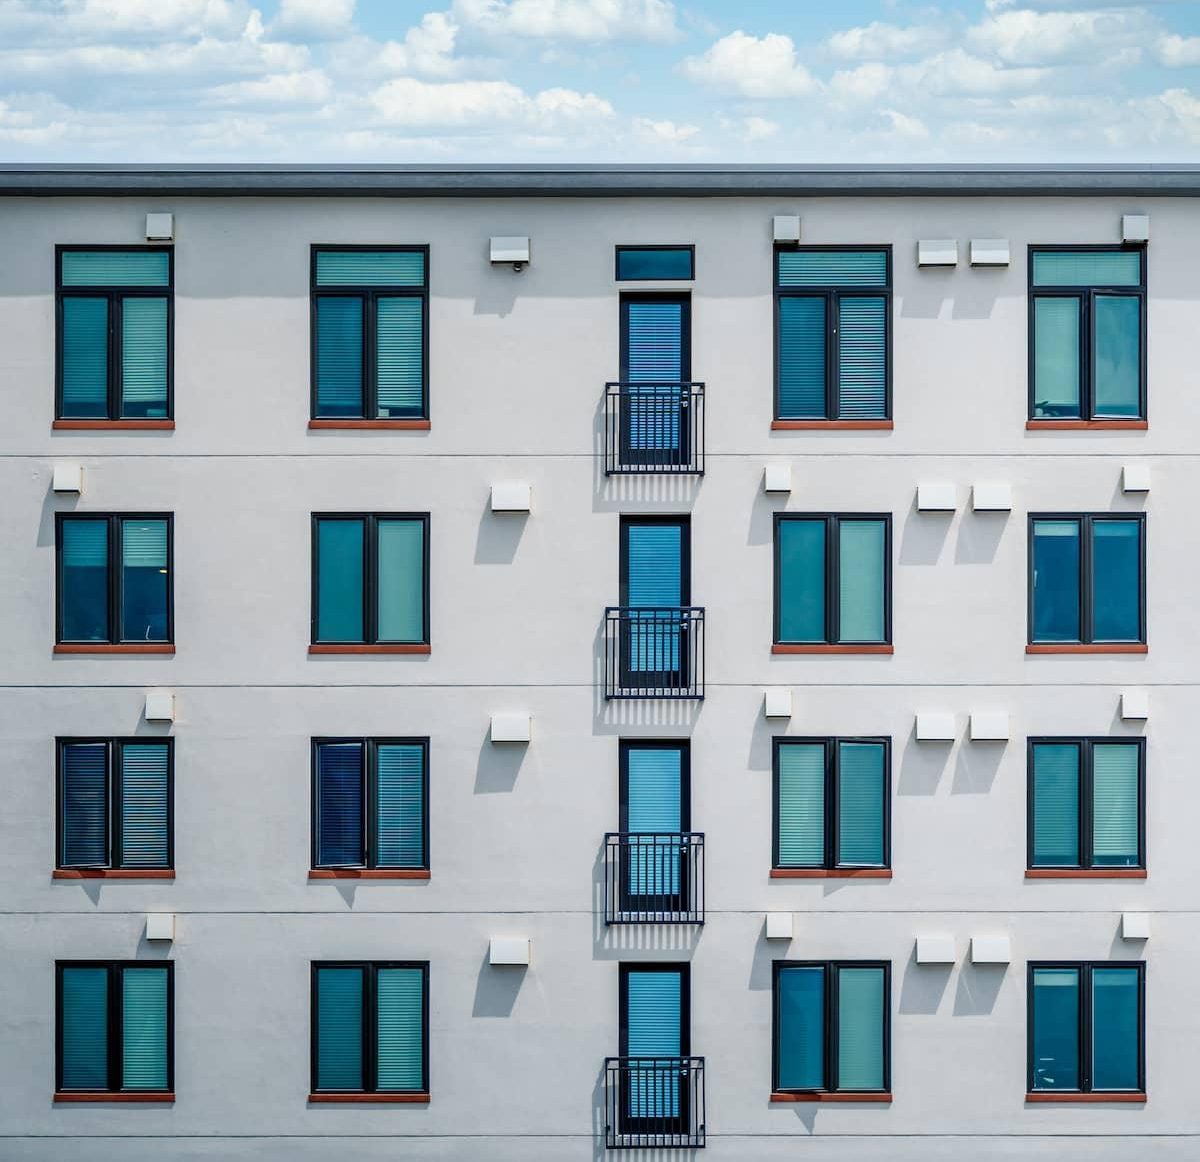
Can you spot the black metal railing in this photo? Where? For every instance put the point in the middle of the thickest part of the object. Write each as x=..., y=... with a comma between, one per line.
x=654, y=652
x=654, y=428
x=653, y=1101
x=654, y=877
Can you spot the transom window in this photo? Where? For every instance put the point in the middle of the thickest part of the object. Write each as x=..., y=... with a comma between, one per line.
x=655, y=263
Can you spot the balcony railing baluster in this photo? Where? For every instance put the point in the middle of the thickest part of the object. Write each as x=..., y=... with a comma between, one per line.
x=654, y=877
x=654, y=428
x=654, y=1102
x=654, y=652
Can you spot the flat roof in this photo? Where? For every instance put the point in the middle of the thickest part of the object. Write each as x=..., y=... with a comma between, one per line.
x=408, y=181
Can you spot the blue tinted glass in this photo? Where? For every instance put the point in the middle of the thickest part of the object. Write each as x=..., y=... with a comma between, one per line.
x=650, y=262
x=1116, y=1028
x=145, y=581
x=84, y=597
x=84, y=357
x=340, y=581
x=1055, y=581
x=340, y=1028
x=801, y=580
x=1117, y=581
x=801, y=1033
x=340, y=356
x=1118, y=355
x=1055, y=1036
x=84, y=1031
x=1055, y=777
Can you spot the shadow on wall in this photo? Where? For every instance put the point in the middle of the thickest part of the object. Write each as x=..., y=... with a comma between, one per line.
x=499, y=535
x=979, y=536
x=922, y=764
x=971, y=291
x=498, y=766
x=923, y=986
x=975, y=770
x=496, y=988
x=924, y=535
x=978, y=988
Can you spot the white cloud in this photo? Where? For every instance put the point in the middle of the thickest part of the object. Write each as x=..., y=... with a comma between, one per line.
x=311, y=87
x=428, y=48
x=906, y=127
x=878, y=41
x=663, y=132
x=409, y=102
x=759, y=128
x=1179, y=51
x=586, y=20
x=313, y=19
x=863, y=84
x=959, y=73
x=1025, y=37
x=752, y=66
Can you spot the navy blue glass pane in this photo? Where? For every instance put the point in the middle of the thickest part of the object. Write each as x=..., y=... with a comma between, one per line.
x=801, y=1033
x=340, y=804
x=651, y=262
x=1055, y=1036
x=144, y=581
x=1117, y=581
x=84, y=597
x=1055, y=581
x=85, y=804
x=1116, y=1028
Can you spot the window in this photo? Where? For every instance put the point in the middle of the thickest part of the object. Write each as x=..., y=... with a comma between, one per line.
x=115, y=321
x=115, y=1026
x=114, y=579
x=1087, y=333
x=1086, y=803
x=371, y=580
x=1087, y=579
x=832, y=1027
x=115, y=803
x=370, y=326
x=1087, y=1028
x=370, y=1028
x=833, y=580
x=370, y=800
x=831, y=803
x=833, y=334
x=647, y=263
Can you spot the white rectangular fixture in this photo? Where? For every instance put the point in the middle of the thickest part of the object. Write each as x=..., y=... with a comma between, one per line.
x=991, y=496
x=510, y=249
x=160, y=706
x=508, y=950
x=160, y=227
x=1135, y=705
x=512, y=496
x=1135, y=926
x=1135, y=227
x=1135, y=478
x=68, y=478
x=777, y=702
x=936, y=496
x=989, y=252
x=160, y=926
x=777, y=477
x=990, y=950
x=786, y=227
x=779, y=925
x=935, y=726
x=512, y=728
x=937, y=252
x=988, y=725
x=935, y=949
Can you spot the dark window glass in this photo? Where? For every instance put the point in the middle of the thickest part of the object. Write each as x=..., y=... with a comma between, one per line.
x=655, y=262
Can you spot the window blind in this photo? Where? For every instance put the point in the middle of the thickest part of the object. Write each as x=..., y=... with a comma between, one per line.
x=653, y=803
x=401, y=590
x=1087, y=268
x=116, y=268
x=85, y=805
x=84, y=1033
x=144, y=1028
x=339, y=356
x=653, y=1025
x=862, y=358
x=834, y=268
x=144, y=798
x=801, y=804
x=1056, y=805
x=340, y=804
x=801, y=1030
x=370, y=268
x=1115, y=805
x=861, y=804
x=861, y=1003
x=399, y=361
x=400, y=803
x=144, y=356
x=144, y=544
x=654, y=342
x=340, y=1028
x=801, y=356
x=1056, y=347
x=84, y=358
x=399, y=996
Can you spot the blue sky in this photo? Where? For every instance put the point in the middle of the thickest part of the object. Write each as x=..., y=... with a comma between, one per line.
x=599, y=80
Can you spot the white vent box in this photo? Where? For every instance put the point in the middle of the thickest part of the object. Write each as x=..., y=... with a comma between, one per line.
x=990, y=950
x=779, y=925
x=935, y=726
x=68, y=478
x=160, y=926
x=1135, y=705
x=510, y=249
x=936, y=496
x=1135, y=926
x=989, y=726
x=937, y=252
x=160, y=706
x=512, y=497
x=777, y=702
x=991, y=496
x=777, y=477
x=512, y=728
x=160, y=227
x=1135, y=478
x=935, y=949
x=786, y=227
x=508, y=950
x=989, y=252
x=1135, y=227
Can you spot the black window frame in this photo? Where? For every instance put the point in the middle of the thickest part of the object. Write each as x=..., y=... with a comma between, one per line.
x=829, y=1059
x=1087, y=745
x=114, y=758
x=832, y=294
x=370, y=576
x=1087, y=294
x=1085, y=968
x=830, y=862
x=684, y=968
x=1086, y=521
x=116, y=1039
x=370, y=1016
x=114, y=576
x=370, y=753
x=684, y=298
x=368, y=294
x=622, y=247
x=832, y=576
x=114, y=295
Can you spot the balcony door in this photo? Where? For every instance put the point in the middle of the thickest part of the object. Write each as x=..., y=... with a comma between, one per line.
x=656, y=364
x=655, y=815
x=655, y=586
x=655, y=1040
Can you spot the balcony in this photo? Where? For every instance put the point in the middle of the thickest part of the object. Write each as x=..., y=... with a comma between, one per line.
x=653, y=1102
x=654, y=877
x=654, y=429
x=654, y=652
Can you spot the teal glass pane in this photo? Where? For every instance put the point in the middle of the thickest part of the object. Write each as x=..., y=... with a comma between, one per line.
x=84, y=598
x=862, y=795
x=801, y=582
x=84, y=358
x=654, y=342
x=399, y=999
x=860, y=1004
x=370, y=268
x=653, y=262
x=1055, y=1035
x=801, y=804
x=1087, y=268
x=339, y=356
x=116, y=268
x=1055, y=777
x=1056, y=566
x=145, y=581
x=1116, y=581
x=84, y=1017
x=1115, y=804
x=801, y=1032
x=144, y=798
x=340, y=581
x=144, y=1028
x=400, y=804
x=400, y=362
x=1056, y=346
x=1116, y=1028
x=340, y=1028
x=401, y=555
x=861, y=606
x=653, y=804
x=802, y=341
x=862, y=358
x=143, y=358
x=832, y=267
x=654, y=1008
x=1117, y=354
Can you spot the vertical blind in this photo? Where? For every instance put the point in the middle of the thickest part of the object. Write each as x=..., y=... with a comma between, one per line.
x=145, y=776
x=1056, y=778
x=144, y=994
x=801, y=580
x=399, y=999
x=340, y=1028
x=340, y=545
x=1115, y=804
x=800, y=1036
x=401, y=590
x=861, y=804
x=801, y=804
x=85, y=805
x=84, y=1032
x=861, y=573
x=340, y=807
x=84, y=357
x=860, y=1053
x=400, y=804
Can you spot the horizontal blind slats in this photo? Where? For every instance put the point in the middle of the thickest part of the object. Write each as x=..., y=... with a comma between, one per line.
x=1055, y=805
x=1087, y=268
x=145, y=771
x=85, y=543
x=144, y=1028
x=84, y=358
x=340, y=804
x=84, y=1017
x=400, y=366
x=832, y=267
x=400, y=802
x=801, y=804
x=862, y=358
x=861, y=804
x=400, y=1008
x=340, y=1028
x=370, y=268
x=654, y=343
x=802, y=341
x=85, y=805
x=144, y=356
x=115, y=268
x=339, y=356
x=1115, y=804
x=861, y=1003
x=144, y=544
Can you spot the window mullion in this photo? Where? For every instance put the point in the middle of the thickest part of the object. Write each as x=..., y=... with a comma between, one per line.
x=370, y=579
x=114, y=579
x=370, y=1029
x=370, y=804
x=116, y=771
x=1086, y=630
x=370, y=393
x=1085, y=1028
x=833, y=402
x=116, y=1046
x=831, y=1031
x=113, y=386
x=832, y=854
x=832, y=579
x=1086, y=803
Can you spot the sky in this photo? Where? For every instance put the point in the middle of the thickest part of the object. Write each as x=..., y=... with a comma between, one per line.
x=599, y=80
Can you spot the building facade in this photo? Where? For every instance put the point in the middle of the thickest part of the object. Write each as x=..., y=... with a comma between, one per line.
x=517, y=663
